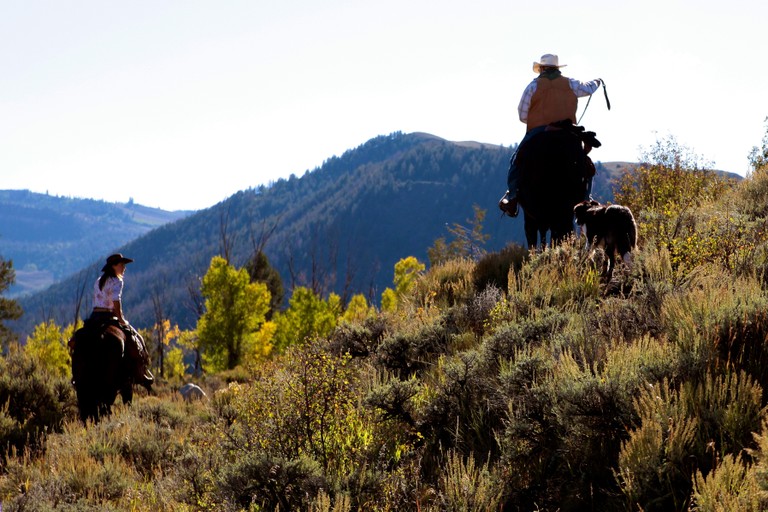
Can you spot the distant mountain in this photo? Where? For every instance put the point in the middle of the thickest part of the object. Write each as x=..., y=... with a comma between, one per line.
x=340, y=227
x=49, y=237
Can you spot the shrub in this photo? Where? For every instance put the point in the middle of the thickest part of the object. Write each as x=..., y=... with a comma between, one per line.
x=33, y=402
x=665, y=188
x=474, y=315
x=730, y=486
x=494, y=268
x=681, y=431
x=531, y=437
x=752, y=193
x=557, y=277
x=303, y=405
x=358, y=340
x=717, y=318
x=410, y=352
x=456, y=412
x=270, y=483
x=73, y=477
x=393, y=400
x=621, y=320
x=444, y=285
x=464, y=487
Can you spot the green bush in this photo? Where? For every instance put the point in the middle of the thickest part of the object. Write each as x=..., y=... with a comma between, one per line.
x=558, y=277
x=730, y=486
x=32, y=403
x=494, y=268
x=411, y=352
x=474, y=315
x=464, y=487
x=508, y=337
x=305, y=405
x=359, y=340
x=686, y=430
x=456, y=413
x=444, y=285
x=270, y=483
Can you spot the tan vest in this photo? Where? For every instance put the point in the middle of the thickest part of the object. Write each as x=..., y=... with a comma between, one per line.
x=553, y=101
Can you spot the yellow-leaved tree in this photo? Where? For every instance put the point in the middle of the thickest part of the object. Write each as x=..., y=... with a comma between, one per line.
x=407, y=270
x=358, y=309
x=164, y=334
x=48, y=344
x=307, y=316
x=235, y=313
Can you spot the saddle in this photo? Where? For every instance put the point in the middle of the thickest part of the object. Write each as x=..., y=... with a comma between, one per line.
x=96, y=329
x=131, y=340
x=133, y=349
x=588, y=138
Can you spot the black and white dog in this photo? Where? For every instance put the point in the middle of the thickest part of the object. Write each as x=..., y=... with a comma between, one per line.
x=611, y=228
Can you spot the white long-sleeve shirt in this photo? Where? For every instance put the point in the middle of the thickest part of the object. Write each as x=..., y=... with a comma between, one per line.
x=580, y=89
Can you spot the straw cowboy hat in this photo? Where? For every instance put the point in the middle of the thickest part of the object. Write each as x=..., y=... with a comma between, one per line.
x=547, y=60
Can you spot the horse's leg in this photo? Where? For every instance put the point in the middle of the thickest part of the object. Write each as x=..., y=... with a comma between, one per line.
x=86, y=404
x=531, y=230
x=611, y=257
x=126, y=392
x=562, y=226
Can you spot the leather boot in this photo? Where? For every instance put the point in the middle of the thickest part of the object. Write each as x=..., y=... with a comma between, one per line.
x=508, y=204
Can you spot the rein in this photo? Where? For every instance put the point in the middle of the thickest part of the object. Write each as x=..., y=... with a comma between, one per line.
x=607, y=101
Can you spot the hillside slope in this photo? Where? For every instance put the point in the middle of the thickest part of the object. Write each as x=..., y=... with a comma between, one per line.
x=341, y=227
x=48, y=237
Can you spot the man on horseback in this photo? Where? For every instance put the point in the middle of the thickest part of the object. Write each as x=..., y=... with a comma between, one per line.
x=108, y=310
x=548, y=99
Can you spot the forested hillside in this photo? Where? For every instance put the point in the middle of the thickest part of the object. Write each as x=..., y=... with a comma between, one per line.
x=49, y=237
x=338, y=228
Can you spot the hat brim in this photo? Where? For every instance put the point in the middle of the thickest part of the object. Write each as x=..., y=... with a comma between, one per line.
x=538, y=65
x=121, y=260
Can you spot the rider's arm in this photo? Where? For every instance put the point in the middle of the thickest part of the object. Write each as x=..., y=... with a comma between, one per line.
x=584, y=88
x=118, y=309
x=525, y=102
x=117, y=300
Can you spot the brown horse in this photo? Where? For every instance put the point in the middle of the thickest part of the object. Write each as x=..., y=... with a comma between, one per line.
x=554, y=172
x=99, y=370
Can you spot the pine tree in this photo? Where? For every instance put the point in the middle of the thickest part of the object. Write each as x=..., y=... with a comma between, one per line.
x=9, y=309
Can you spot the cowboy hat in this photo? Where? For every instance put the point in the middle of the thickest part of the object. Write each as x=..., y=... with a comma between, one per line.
x=115, y=259
x=547, y=60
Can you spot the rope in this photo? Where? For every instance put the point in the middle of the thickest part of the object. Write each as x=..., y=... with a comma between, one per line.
x=607, y=101
x=578, y=122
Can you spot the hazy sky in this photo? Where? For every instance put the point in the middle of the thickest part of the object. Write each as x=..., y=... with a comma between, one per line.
x=179, y=104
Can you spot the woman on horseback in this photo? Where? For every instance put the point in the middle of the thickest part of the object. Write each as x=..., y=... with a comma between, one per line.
x=108, y=309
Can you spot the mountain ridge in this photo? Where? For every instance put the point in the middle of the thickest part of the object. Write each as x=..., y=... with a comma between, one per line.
x=50, y=237
x=340, y=227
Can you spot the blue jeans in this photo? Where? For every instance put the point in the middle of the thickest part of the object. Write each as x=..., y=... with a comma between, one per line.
x=513, y=174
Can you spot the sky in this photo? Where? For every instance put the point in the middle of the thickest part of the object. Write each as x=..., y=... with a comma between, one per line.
x=178, y=104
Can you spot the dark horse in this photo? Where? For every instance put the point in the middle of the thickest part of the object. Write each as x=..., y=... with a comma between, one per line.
x=100, y=371
x=554, y=171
